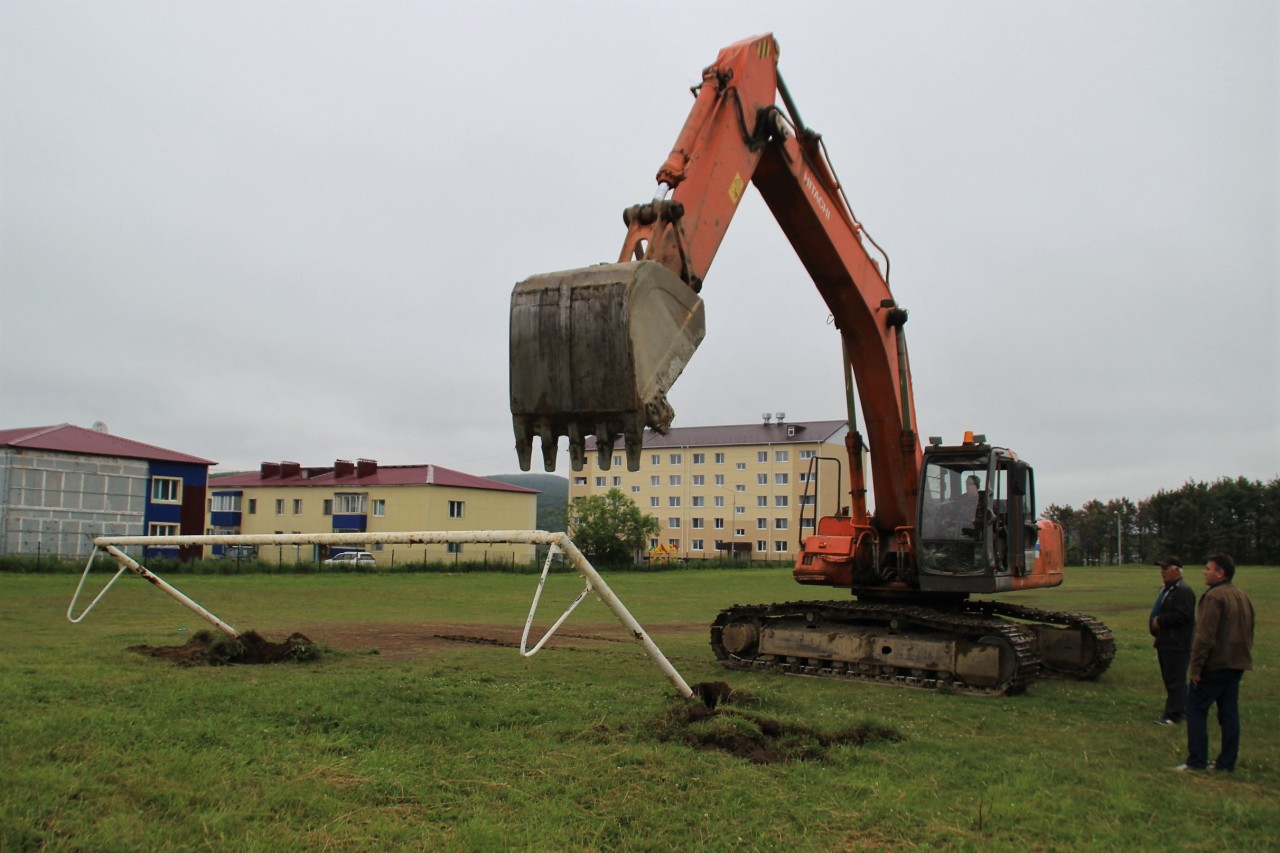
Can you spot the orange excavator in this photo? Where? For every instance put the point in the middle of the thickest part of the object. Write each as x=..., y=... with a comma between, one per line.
x=594, y=351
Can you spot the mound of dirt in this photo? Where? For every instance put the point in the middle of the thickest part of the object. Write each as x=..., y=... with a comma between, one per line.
x=208, y=649
x=759, y=739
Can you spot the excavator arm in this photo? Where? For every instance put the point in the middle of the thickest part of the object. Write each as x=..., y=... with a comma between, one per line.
x=594, y=350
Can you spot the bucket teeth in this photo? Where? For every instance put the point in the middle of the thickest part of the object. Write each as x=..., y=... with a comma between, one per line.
x=634, y=444
x=550, y=441
x=577, y=447
x=524, y=442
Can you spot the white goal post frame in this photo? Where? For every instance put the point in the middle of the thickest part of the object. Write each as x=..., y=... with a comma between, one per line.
x=560, y=544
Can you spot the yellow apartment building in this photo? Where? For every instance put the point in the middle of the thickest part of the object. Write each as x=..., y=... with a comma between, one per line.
x=751, y=490
x=365, y=497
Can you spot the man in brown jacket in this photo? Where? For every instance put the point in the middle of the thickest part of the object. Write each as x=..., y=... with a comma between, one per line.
x=1220, y=654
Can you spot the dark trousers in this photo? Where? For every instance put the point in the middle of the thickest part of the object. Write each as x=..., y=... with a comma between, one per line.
x=1221, y=687
x=1173, y=669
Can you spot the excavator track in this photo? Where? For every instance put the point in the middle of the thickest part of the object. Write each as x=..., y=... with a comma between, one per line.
x=908, y=646
x=1072, y=645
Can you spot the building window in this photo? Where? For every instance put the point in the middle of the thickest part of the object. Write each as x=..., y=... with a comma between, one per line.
x=253, y=506
x=762, y=524
x=806, y=522
x=739, y=531
x=699, y=458
x=781, y=455
x=599, y=482
x=697, y=523
x=699, y=500
x=456, y=509
x=379, y=507
x=804, y=476
x=675, y=458
x=696, y=545
x=225, y=503
x=351, y=503
x=674, y=544
x=674, y=500
x=740, y=488
x=653, y=543
x=719, y=479
x=762, y=479
x=741, y=466
x=297, y=506
x=808, y=454
x=780, y=546
x=655, y=459
x=781, y=500
x=673, y=522
x=699, y=480
x=780, y=524
x=674, y=480
x=719, y=500
x=654, y=500
x=166, y=490
x=719, y=524
x=157, y=528
x=780, y=479
x=808, y=500
x=326, y=506
x=762, y=500
x=279, y=506
x=739, y=510
x=762, y=456
x=635, y=490
x=453, y=547
x=579, y=481
x=617, y=481
x=762, y=546
x=719, y=458
x=617, y=460
x=655, y=481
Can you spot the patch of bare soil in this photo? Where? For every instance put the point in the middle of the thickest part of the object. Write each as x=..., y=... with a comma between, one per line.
x=399, y=640
x=208, y=649
x=755, y=737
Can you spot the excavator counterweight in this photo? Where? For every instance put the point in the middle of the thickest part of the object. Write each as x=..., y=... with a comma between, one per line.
x=593, y=352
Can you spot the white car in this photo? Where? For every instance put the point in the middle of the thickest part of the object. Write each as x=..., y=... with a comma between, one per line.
x=351, y=558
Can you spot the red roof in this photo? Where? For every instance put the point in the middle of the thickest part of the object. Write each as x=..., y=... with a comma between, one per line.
x=68, y=438
x=792, y=432
x=384, y=475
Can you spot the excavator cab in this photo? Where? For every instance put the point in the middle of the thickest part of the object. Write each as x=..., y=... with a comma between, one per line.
x=976, y=528
x=594, y=351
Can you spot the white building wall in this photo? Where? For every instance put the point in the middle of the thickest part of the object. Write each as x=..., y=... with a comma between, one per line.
x=52, y=503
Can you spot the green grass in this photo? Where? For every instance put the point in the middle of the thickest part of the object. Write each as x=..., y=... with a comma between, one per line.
x=472, y=747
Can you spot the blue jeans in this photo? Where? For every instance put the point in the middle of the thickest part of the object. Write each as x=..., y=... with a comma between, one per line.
x=1220, y=687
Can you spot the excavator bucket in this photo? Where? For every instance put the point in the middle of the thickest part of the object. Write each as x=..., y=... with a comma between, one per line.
x=593, y=352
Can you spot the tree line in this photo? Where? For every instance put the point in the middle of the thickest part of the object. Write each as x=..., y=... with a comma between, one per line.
x=1239, y=517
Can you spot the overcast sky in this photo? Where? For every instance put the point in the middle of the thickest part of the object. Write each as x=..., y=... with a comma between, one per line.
x=289, y=230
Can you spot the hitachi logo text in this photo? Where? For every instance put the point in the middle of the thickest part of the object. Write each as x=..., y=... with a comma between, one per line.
x=817, y=195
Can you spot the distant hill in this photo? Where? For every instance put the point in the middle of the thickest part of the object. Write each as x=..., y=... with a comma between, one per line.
x=552, y=501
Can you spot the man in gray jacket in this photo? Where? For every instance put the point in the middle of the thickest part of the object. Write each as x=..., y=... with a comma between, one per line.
x=1220, y=654
x=1172, y=623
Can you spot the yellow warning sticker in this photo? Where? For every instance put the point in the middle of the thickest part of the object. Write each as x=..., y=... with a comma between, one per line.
x=736, y=187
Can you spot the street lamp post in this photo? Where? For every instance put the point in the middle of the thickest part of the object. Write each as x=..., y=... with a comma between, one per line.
x=1119, y=545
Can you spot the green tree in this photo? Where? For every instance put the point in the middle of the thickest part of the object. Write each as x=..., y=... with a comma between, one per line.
x=609, y=528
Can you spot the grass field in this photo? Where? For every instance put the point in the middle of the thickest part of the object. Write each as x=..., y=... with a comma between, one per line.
x=420, y=728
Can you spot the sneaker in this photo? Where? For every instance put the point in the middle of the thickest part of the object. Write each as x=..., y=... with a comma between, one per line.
x=1186, y=768
x=1166, y=721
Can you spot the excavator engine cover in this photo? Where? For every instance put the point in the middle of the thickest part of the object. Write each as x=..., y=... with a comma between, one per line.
x=593, y=352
